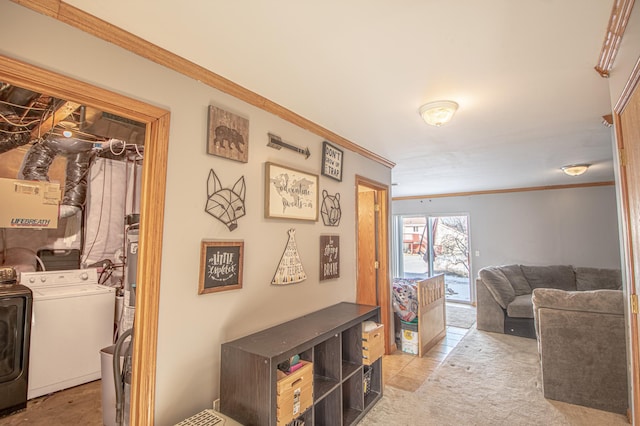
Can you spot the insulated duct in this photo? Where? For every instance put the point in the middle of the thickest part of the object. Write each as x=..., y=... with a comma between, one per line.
x=15, y=133
x=78, y=153
x=14, y=141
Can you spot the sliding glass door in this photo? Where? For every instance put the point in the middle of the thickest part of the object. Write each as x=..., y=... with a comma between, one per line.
x=430, y=245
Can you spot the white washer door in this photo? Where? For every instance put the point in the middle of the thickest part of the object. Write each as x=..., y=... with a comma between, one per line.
x=69, y=328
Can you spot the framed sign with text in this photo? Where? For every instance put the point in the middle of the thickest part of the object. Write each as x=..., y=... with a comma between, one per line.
x=332, y=161
x=220, y=266
x=329, y=257
x=290, y=193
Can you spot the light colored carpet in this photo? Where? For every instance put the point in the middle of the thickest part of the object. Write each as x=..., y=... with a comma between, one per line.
x=488, y=379
x=460, y=316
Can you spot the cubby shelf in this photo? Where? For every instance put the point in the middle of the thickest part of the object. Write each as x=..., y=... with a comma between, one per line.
x=331, y=339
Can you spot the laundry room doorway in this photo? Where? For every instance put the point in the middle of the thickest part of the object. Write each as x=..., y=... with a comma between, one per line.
x=151, y=209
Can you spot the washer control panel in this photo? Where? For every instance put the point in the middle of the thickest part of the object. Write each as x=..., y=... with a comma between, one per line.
x=68, y=277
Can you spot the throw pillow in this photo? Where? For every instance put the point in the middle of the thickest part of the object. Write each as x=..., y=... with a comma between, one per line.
x=555, y=276
x=498, y=285
x=597, y=278
x=516, y=278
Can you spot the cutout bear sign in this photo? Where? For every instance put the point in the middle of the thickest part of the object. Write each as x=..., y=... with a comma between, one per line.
x=228, y=135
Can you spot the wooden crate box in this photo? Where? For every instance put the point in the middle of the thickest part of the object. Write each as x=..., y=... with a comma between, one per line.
x=372, y=344
x=294, y=394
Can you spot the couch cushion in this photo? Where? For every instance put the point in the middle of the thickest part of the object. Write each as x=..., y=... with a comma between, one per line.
x=601, y=301
x=498, y=285
x=554, y=276
x=516, y=278
x=597, y=278
x=521, y=307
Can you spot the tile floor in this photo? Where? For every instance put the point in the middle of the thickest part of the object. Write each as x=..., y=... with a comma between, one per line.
x=400, y=370
x=407, y=372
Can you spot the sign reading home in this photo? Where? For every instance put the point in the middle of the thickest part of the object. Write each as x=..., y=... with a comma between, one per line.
x=220, y=266
x=329, y=257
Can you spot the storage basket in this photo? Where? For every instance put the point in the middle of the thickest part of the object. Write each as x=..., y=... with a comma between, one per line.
x=411, y=326
x=296, y=422
x=366, y=380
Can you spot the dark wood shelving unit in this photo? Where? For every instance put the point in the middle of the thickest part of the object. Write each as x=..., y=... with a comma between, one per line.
x=331, y=339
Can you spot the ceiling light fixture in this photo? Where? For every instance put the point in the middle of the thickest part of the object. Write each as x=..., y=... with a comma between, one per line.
x=439, y=112
x=575, y=169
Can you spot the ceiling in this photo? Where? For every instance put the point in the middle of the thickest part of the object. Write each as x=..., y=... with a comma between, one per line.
x=522, y=73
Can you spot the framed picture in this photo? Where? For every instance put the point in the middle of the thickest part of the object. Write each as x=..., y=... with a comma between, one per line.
x=329, y=257
x=290, y=193
x=332, y=161
x=228, y=135
x=220, y=266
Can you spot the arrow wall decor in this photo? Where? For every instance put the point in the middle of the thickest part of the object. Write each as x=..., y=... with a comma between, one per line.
x=277, y=143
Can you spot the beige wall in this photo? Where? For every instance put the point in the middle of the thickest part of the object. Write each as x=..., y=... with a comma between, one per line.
x=627, y=56
x=191, y=326
x=575, y=226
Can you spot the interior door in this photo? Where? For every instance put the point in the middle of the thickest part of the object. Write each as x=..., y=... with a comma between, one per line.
x=628, y=139
x=367, y=287
x=372, y=286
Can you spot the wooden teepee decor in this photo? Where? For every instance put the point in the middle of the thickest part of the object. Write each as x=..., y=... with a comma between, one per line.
x=290, y=270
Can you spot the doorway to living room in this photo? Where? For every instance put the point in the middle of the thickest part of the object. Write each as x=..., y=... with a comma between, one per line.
x=426, y=245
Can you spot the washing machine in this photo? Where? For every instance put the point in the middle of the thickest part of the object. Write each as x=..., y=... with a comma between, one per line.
x=72, y=320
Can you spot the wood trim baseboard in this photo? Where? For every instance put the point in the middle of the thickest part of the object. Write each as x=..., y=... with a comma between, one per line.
x=618, y=20
x=92, y=25
x=504, y=191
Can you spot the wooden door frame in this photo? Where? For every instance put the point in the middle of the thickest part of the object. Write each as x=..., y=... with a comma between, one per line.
x=383, y=294
x=154, y=171
x=632, y=85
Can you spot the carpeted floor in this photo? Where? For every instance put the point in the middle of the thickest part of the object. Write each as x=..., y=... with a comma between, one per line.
x=458, y=315
x=487, y=379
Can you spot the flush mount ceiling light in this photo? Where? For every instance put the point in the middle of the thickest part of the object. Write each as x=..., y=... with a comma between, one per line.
x=439, y=112
x=575, y=169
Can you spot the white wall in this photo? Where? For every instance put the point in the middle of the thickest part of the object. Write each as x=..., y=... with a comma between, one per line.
x=562, y=226
x=191, y=326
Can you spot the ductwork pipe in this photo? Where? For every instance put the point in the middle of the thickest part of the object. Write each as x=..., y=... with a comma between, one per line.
x=14, y=141
x=79, y=155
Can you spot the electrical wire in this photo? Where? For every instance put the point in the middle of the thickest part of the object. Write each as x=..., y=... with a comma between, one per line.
x=3, y=117
x=124, y=147
x=24, y=106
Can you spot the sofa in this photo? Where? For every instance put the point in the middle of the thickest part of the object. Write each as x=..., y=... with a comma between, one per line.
x=504, y=303
x=582, y=347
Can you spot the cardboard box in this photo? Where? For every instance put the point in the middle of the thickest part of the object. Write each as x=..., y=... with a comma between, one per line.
x=372, y=344
x=29, y=204
x=294, y=394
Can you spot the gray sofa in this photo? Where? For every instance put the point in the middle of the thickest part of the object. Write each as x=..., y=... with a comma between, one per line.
x=582, y=347
x=504, y=302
